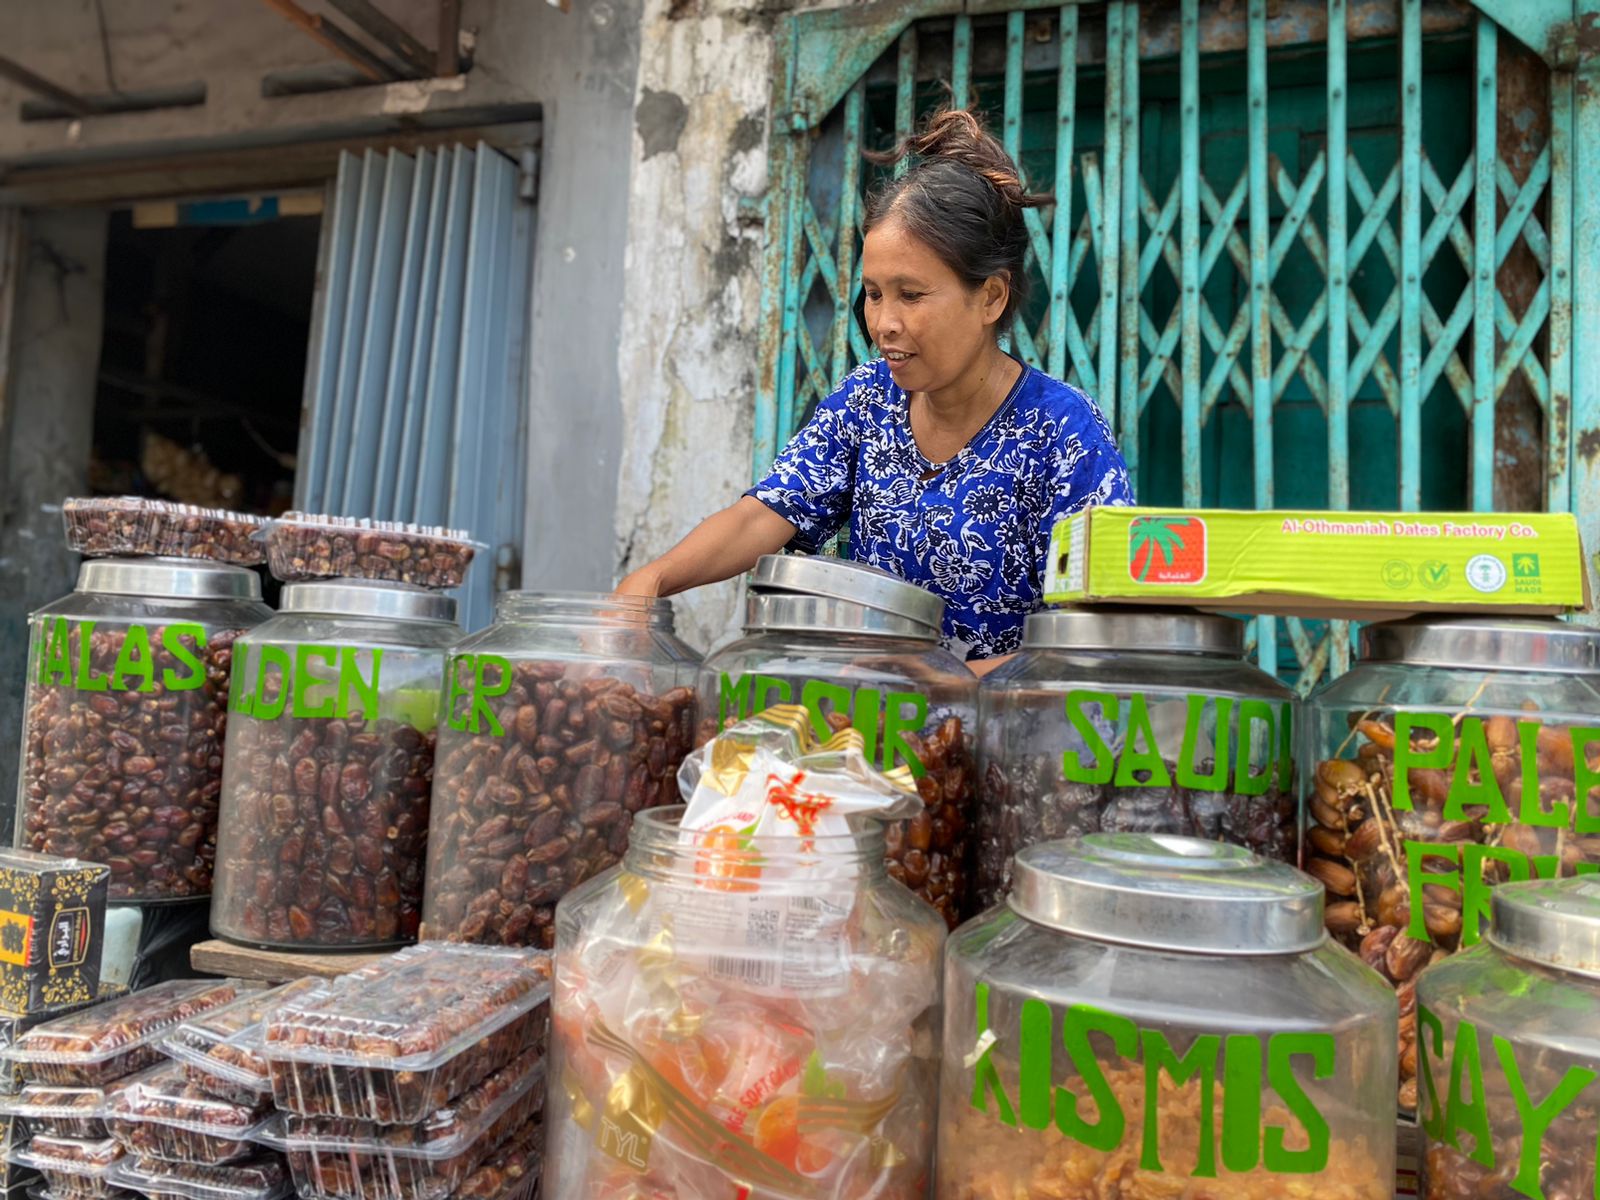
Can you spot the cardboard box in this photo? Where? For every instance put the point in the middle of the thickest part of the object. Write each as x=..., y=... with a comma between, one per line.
x=52, y=929
x=1359, y=566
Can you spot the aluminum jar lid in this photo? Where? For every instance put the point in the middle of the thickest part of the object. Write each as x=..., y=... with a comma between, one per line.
x=844, y=596
x=1163, y=892
x=1164, y=631
x=1476, y=643
x=1554, y=922
x=367, y=598
x=168, y=579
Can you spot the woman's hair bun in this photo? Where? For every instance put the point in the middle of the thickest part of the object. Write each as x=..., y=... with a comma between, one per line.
x=960, y=135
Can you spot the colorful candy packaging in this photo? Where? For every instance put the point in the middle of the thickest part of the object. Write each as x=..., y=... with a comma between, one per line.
x=747, y=1008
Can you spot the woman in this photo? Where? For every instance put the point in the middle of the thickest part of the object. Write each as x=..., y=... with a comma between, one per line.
x=952, y=460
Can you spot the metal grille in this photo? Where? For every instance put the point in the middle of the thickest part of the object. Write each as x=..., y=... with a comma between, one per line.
x=413, y=407
x=1277, y=287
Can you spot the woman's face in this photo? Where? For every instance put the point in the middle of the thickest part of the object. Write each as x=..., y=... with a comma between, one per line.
x=928, y=324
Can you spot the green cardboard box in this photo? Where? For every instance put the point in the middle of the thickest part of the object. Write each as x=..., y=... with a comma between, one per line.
x=1360, y=566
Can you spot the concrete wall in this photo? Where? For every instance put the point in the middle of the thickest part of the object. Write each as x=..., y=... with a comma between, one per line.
x=689, y=346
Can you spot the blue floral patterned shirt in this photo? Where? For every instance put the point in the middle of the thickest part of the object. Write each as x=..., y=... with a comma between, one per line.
x=975, y=530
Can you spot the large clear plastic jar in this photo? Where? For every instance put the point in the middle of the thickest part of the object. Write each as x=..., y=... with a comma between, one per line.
x=331, y=744
x=1510, y=1051
x=1457, y=754
x=1133, y=721
x=126, y=711
x=859, y=648
x=564, y=718
x=1162, y=1016
x=692, y=1060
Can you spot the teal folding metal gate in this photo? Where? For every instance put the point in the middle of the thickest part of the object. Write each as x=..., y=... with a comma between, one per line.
x=1295, y=255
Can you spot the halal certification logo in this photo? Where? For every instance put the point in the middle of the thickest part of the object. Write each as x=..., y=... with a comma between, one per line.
x=1486, y=573
x=1397, y=574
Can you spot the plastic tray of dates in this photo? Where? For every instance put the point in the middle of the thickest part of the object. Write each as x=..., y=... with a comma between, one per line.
x=72, y=1168
x=161, y=1113
x=219, y=1048
x=335, y=1157
x=42, y=1191
x=302, y=546
x=413, y=1034
x=134, y=526
x=97, y=1045
x=512, y=1171
x=263, y=1178
x=59, y=1111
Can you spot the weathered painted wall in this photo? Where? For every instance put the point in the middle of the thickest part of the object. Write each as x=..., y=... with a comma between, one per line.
x=689, y=353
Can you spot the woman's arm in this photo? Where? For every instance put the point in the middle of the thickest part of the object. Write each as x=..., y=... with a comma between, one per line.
x=981, y=667
x=725, y=544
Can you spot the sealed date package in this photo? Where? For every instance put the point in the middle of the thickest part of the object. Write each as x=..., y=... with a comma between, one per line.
x=415, y=1033
x=97, y=1045
x=52, y=925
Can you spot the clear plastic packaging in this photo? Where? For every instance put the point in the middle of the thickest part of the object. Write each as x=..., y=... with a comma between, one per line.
x=42, y=1191
x=97, y=1045
x=161, y=1114
x=512, y=1171
x=68, y=1112
x=262, y=1178
x=1455, y=756
x=562, y=720
x=1160, y=1016
x=74, y=1170
x=339, y=1159
x=1126, y=720
x=13, y=1026
x=137, y=527
x=748, y=1010
x=219, y=1048
x=124, y=717
x=865, y=654
x=302, y=546
x=410, y=1036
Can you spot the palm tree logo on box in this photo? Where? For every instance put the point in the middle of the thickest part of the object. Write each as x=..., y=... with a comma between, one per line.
x=1168, y=550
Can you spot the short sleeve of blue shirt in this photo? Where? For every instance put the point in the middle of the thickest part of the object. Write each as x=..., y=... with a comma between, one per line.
x=975, y=529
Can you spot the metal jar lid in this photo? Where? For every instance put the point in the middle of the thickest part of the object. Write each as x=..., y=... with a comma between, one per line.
x=1554, y=922
x=842, y=593
x=1163, y=631
x=168, y=579
x=1479, y=643
x=367, y=598
x=1163, y=892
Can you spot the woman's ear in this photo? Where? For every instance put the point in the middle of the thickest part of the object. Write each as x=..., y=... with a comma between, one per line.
x=994, y=294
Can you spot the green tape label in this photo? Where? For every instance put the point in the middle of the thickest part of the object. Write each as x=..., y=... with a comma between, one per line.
x=1104, y=1056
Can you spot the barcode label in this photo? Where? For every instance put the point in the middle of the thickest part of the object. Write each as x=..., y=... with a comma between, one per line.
x=755, y=972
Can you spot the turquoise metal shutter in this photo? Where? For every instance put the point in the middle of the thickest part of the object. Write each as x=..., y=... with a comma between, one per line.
x=1294, y=257
x=414, y=387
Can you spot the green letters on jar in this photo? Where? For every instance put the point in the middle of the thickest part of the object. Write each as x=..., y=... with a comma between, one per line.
x=1091, y=1111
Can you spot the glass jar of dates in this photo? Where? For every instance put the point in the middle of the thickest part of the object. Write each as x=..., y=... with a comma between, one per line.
x=1457, y=754
x=1509, y=1052
x=1133, y=721
x=325, y=809
x=1162, y=1016
x=860, y=648
x=568, y=715
x=126, y=710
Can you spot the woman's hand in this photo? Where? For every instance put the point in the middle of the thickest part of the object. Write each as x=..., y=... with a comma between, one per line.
x=646, y=581
x=982, y=666
x=725, y=544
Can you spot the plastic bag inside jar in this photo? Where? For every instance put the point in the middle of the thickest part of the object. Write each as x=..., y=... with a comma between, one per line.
x=761, y=977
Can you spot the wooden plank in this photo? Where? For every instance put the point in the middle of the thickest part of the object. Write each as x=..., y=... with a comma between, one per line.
x=273, y=966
